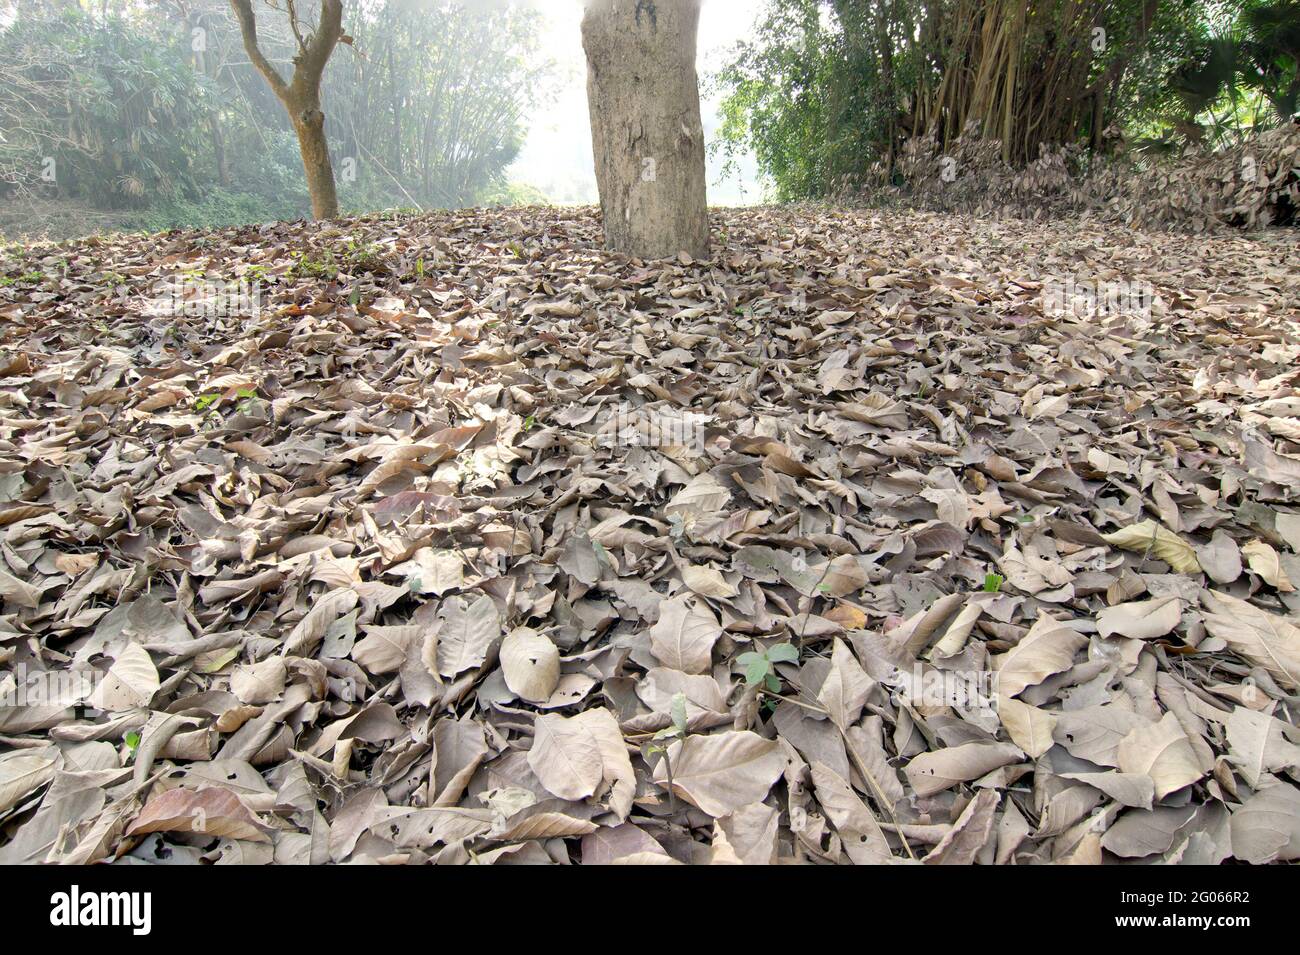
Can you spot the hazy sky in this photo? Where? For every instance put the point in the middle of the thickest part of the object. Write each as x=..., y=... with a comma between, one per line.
x=557, y=155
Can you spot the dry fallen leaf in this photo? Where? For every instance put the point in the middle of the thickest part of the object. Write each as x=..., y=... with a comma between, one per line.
x=723, y=772
x=530, y=664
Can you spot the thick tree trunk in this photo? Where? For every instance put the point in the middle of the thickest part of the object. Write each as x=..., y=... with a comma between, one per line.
x=646, y=132
x=309, y=124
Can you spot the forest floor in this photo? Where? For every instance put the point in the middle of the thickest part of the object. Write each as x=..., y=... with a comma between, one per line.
x=880, y=536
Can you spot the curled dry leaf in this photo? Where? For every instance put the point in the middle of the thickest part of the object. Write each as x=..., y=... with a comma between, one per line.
x=1152, y=537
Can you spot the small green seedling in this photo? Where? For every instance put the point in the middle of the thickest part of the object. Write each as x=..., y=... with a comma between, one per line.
x=677, y=712
x=993, y=583
x=203, y=402
x=760, y=665
x=248, y=400
x=133, y=741
x=659, y=742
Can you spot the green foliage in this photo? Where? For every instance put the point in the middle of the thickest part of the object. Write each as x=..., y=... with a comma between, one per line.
x=760, y=669
x=829, y=91
x=103, y=109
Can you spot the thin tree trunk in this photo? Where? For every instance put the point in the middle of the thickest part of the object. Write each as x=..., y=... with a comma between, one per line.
x=646, y=133
x=300, y=96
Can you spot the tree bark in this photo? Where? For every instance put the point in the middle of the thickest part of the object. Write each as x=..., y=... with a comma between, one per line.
x=309, y=124
x=301, y=95
x=646, y=133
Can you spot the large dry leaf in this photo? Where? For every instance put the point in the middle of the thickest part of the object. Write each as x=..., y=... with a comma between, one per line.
x=1266, y=827
x=1264, y=561
x=1141, y=619
x=1048, y=648
x=210, y=810
x=1152, y=537
x=845, y=688
x=616, y=766
x=130, y=682
x=22, y=773
x=1139, y=832
x=864, y=841
x=723, y=772
x=261, y=682
x=469, y=627
x=1029, y=727
x=1095, y=732
x=1161, y=751
x=1220, y=558
x=1258, y=744
x=530, y=664
x=317, y=621
x=1265, y=639
x=931, y=773
x=969, y=834
x=751, y=834
x=566, y=756
x=684, y=636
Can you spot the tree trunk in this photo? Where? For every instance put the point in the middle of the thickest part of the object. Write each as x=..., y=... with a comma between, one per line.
x=301, y=95
x=309, y=124
x=646, y=132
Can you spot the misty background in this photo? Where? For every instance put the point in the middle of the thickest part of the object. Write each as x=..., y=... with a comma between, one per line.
x=147, y=114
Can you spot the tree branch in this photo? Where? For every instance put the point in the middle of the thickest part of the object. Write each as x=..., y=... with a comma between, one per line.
x=248, y=29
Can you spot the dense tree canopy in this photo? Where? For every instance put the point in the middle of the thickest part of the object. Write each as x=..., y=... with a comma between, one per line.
x=832, y=88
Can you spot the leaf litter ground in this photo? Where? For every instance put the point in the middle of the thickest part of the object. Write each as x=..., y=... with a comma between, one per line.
x=879, y=537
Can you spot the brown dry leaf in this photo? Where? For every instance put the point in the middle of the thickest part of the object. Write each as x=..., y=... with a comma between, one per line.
x=722, y=772
x=1258, y=744
x=1141, y=619
x=1161, y=751
x=130, y=683
x=1266, y=827
x=684, y=636
x=1047, y=648
x=616, y=765
x=21, y=773
x=1029, y=727
x=469, y=628
x=260, y=682
x=933, y=772
x=530, y=664
x=210, y=810
x=962, y=844
x=1263, y=560
x=845, y=688
x=864, y=841
x=566, y=756
x=1265, y=639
